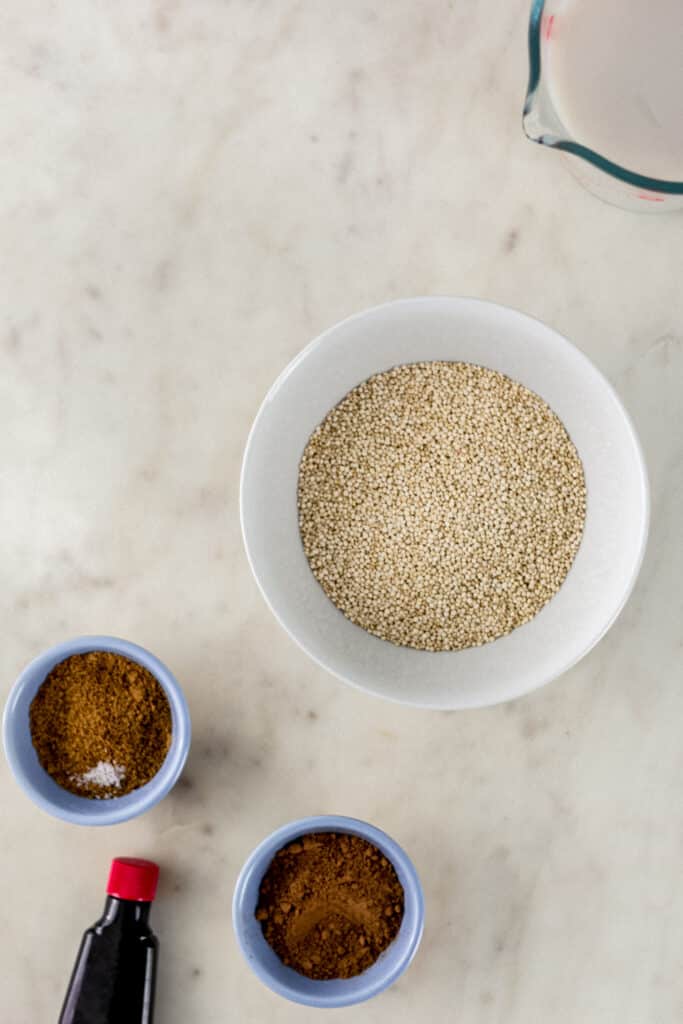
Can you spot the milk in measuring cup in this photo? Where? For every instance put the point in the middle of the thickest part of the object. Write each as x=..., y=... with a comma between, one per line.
x=615, y=72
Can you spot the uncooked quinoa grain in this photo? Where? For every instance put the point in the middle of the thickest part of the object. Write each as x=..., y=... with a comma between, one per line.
x=440, y=505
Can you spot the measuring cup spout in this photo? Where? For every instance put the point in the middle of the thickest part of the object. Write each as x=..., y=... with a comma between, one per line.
x=535, y=128
x=620, y=184
x=539, y=120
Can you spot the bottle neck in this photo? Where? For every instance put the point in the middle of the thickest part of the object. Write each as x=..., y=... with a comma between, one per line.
x=125, y=911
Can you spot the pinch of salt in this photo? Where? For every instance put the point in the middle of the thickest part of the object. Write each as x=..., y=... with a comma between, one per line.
x=103, y=774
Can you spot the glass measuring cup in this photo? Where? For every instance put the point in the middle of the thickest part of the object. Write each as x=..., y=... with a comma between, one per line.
x=542, y=122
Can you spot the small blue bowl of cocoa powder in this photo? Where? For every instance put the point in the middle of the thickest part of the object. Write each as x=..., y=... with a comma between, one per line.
x=96, y=730
x=328, y=911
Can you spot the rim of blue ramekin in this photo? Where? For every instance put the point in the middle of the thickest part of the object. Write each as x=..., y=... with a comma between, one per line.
x=356, y=990
x=116, y=809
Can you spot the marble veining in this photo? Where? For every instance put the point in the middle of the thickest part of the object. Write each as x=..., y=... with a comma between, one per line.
x=190, y=192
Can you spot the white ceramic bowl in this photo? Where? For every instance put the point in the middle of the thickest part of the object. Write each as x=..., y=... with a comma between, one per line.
x=605, y=567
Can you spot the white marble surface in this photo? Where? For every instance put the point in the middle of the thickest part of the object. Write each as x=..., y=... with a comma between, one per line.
x=190, y=190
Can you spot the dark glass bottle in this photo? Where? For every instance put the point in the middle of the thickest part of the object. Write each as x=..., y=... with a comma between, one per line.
x=113, y=978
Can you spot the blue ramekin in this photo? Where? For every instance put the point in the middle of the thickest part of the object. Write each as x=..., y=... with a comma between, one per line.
x=33, y=778
x=288, y=983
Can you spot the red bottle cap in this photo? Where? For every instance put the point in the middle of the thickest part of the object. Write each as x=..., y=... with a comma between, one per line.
x=133, y=879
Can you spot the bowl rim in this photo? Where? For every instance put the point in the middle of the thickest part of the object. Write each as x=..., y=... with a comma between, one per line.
x=102, y=812
x=257, y=863
x=561, y=342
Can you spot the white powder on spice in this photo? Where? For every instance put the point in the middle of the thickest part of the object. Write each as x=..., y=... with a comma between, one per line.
x=104, y=774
